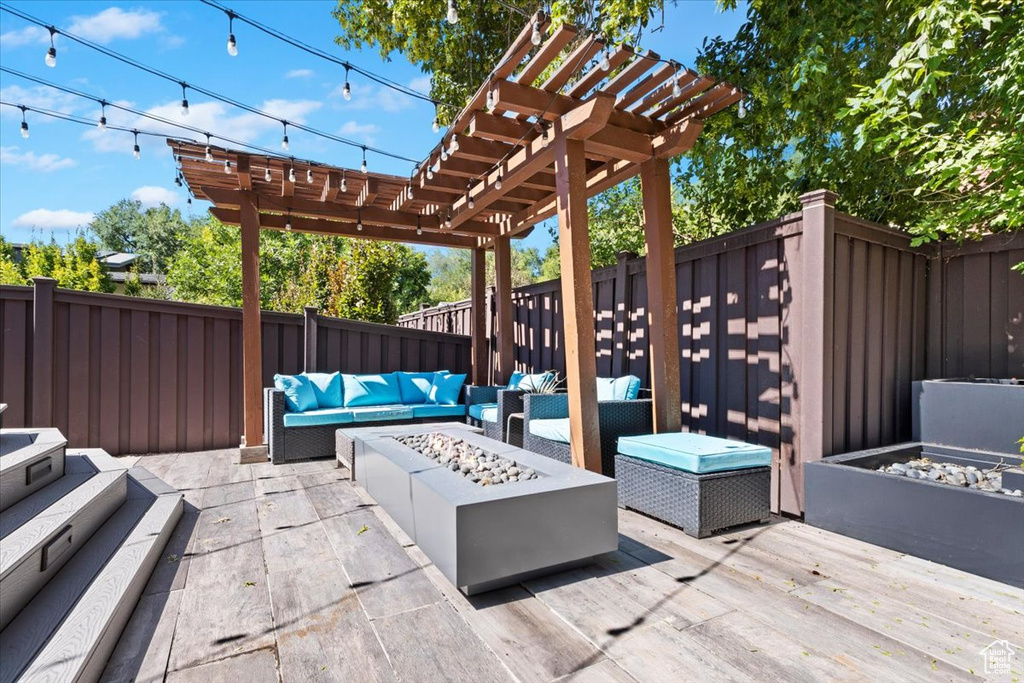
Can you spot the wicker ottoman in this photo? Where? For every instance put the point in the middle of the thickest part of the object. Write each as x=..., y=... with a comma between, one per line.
x=700, y=504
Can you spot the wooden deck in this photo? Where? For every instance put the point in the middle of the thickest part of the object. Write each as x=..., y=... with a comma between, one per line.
x=291, y=573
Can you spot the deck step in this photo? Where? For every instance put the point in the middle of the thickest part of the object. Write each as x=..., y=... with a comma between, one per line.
x=42, y=532
x=29, y=460
x=67, y=632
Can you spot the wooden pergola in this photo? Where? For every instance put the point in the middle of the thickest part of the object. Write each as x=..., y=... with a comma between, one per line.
x=549, y=129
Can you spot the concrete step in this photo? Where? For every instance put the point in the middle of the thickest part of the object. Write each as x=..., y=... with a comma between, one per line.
x=29, y=460
x=42, y=532
x=67, y=632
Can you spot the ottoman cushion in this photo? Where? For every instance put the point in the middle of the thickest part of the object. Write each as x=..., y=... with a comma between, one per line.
x=695, y=453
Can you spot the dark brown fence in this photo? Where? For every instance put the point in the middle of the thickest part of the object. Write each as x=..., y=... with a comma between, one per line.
x=760, y=362
x=136, y=376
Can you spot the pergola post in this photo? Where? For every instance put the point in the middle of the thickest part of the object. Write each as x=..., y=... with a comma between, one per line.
x=478, y=294
x=663, y=320
x=577, y=302
x=252, y=349
x=503, y=297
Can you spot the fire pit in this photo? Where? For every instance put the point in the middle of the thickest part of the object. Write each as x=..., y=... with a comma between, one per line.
x=533, y=516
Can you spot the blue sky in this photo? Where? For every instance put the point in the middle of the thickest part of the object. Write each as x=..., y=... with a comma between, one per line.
x=52, y=182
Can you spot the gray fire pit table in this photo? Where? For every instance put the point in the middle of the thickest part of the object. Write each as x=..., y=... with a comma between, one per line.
x=486, y=537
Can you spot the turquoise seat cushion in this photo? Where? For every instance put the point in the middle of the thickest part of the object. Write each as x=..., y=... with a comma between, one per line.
x=429, y=410
x=445, y=389
x=326, y=388
x=414, y=386
x=371, y=390
x=298, y=392
x=618, y=388
x=477, y=411
x=381, y=413
x=695, y=453
x=514, y=380
x=532, y=382
x=320, y=416
x=552, y=430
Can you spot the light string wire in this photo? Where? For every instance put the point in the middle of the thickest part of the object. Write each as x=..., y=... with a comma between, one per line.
x=209, y=93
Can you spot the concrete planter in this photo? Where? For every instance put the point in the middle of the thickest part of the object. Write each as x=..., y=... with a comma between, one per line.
x=986, y=414
x=482, y=538
x=968, y=529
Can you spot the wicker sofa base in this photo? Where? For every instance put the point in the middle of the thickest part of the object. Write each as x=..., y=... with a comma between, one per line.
x=700, y=504
x=305, y=443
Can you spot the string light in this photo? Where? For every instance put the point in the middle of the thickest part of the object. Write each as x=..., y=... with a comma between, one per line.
x=288, y=221
x=344, y=183
x=24, y=122
x=177, y=179
x=455, y=145
x=419, y=226
x=469, y=201
x=102, y=125
x=453, y=13
x=51, y=54
x=497, y=183
x=227, y=166
x=430, y=172
x=742, y=113
x=346, y=92
x=436, y=125
x=359, y=220
x=448, y=219
x=606, y=60
x=309, y=176
x=184, y=99
x=266, y=175
x=209, y=152
x=490, y=98
x=677, y=90
x=545, y=138
x=444, y=153
x=284, y=138
x=136, y=151
x=363, y=166
x=232, y=45
x=291, y=174
x=536, y=38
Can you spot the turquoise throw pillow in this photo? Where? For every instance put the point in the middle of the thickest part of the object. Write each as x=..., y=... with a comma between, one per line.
x=298, y=392
x=618, y=388
x=414, y=386
x=326, y=388
x=533, y=382
x=445, y=389
x=513, y=382
x=371, y=390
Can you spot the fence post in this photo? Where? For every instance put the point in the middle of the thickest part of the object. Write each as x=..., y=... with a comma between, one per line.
x=620, y=322
x=814, y=368
x=42, y=352
x=309, y=323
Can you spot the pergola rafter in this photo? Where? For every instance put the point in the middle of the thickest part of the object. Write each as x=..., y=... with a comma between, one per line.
x=548, y=129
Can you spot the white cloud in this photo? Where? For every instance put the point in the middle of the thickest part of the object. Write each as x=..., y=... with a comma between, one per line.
x=299, y=73
x=368, y=96
x=212, y=116
x=152, y=195
x=363, y=132
x=30, y=35
x=44, y=163
x=114, y=22
x=48, y=219
x=421, y=84
x=41, y=97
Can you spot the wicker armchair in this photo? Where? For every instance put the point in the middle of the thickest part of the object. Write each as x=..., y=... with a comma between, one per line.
x=615, y=418
x=508, y=401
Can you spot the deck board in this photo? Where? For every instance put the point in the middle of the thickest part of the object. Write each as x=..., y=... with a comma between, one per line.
x=777, y=602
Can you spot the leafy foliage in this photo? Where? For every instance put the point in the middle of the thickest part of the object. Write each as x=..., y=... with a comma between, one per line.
x=451, y=271
x=74, y=267
x=156, y=233
x=10, y=272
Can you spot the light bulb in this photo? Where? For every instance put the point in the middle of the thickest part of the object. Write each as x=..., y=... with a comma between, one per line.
x=346, y=92
x=606, y=61
x=455, y=145
x=288, y=223
x=436, y=127
x=227, y=166
x=309, y=176
x=209, y=154
x=448, y=219
x=266, y=175
x=536, y=38
x=51, y=57
x=419, y=230
x=363, y=166
x=444, y=154
x=232, y=45
x=545, y=138
x=411, y=194
x=497, y=183
x=453, y=13
x=430, y=173
x=177, y=180
x=344, y=185
x=359, y=224
x=24, y=130
x=284, y=143
x=676, y=90
x=102, y=125
x=291, y=175
x=471, y=203
x=490, y=99
x=743, y=109
x=136, y=152
x=184, y=107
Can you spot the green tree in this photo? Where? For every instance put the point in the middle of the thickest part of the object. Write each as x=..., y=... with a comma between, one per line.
x=155, y=234
x=10, y=272
x=73, y=267
x=364, y=283
x=451, y=271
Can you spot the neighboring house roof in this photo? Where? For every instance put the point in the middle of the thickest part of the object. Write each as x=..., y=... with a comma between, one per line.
x=144, y=278
x=117, y=260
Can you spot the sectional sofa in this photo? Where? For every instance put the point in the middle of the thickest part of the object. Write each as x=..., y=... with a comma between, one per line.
x=302, y=412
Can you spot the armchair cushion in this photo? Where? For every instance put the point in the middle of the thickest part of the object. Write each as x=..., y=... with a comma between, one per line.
x=477, y=411
x=695, y=453
x=322, y=416
x=414, y=386
x=326, y=388
x=552, y=430
x=445, y=389
x=618, y=388
x=298, y=392
x=371, y=390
